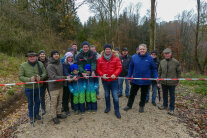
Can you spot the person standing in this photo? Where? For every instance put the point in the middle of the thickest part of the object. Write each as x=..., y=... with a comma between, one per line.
x=154, y=83
x=141, y=66
x=109, y=67
x=76, y=52
x=169, y=68
x=42, y=58
x=125, y=60
x=31, y=71
x=55, y=72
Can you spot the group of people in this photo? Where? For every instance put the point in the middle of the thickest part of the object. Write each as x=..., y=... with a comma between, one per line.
x=81, y=69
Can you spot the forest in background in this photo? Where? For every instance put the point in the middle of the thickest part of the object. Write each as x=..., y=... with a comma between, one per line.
x=54, y=24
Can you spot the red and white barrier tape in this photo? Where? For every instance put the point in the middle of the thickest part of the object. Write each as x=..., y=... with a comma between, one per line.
x=188, y=79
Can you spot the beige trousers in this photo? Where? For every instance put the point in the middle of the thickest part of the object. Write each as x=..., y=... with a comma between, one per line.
x=56, y=102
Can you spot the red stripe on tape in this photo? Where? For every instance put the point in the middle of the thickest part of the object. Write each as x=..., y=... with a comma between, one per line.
x=202, y=79
x=20, y=83
x=60, y=80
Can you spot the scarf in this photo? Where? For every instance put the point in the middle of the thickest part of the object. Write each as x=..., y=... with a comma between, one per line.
x=107, y=57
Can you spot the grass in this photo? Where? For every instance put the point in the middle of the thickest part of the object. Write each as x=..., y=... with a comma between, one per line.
x=198, y=86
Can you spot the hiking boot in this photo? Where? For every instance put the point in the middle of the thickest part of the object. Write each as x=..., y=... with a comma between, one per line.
x=162, y=107
x=141, y=109
x=127, y=108
x=120, y=95
x=61, y=116
x=118, y=115
x=38, y=117
x=76, y=112
x=153, y=103
x=107, y=110
x=98, y=97
x=82, y=113
x=32, y=121
x=56, y=121
x=171, y=112
x=67, y=113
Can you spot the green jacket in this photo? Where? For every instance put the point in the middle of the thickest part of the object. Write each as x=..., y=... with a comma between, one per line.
x=26, y=71
x=169, y=69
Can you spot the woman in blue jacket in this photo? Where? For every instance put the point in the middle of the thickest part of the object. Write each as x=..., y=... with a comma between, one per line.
x=141, y=66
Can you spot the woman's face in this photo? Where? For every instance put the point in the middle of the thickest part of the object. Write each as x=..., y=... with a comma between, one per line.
x=70, y=59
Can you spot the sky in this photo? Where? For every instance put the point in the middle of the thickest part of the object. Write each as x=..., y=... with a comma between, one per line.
x=166, y=9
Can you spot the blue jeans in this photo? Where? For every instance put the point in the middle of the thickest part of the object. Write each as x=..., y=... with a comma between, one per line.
x=97, y=90
x=120, y=81
x=171, y=90
x=113, y=87
x=154, y=92
x=29, y=95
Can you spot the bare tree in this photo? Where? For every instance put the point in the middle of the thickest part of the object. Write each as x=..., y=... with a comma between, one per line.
x=152, y=26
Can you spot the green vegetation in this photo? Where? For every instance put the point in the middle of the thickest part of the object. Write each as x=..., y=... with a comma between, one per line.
x=198, y=86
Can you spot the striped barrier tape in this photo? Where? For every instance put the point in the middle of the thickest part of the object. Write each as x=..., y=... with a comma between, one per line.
x=48, y=81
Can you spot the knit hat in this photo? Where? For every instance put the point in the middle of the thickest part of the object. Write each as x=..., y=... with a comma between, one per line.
x=154, y=52
x=85, y=43
x=107, y=46
x=53, y=52
x=41, y=51
x=73, y=67
x=68, y=54
x=70, y=49
x=117, y=49
x=87, y=67
x=30, y=54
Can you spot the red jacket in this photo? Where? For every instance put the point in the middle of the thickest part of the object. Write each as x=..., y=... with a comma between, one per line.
x=113, y=66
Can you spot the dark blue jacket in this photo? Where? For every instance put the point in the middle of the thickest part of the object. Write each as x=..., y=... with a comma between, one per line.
x=142, y=67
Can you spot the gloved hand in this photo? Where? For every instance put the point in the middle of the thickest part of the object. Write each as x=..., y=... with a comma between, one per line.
x=105, y=76
x=113, y=76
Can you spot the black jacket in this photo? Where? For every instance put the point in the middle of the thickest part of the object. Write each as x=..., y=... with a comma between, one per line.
x=125, y=61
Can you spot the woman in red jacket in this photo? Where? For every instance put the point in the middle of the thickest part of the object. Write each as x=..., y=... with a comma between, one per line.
x=109, y=67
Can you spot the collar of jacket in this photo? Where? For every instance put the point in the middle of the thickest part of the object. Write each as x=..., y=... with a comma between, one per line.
x=145, y=55
x=168, y=59
x=53, y=61
x=43, y=61
x=32, y=64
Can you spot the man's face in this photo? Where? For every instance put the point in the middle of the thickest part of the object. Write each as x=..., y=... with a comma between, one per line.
x=167, y=55
x=32, y=59
x=85, y=48
x=75, y=47
x=42, y=56
x=125, y=52
x=154, y=55
x=142, y=50
x=93, y=49
x=56, y=56
x=107, y=51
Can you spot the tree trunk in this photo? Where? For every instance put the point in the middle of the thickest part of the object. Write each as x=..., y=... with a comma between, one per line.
x=152, y=26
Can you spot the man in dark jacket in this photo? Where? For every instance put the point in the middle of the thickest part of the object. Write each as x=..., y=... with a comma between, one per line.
x=55, y=72
x=141, y=66
x=125, y=60
x=169, y=68
x=42, y=58
x=154, y=83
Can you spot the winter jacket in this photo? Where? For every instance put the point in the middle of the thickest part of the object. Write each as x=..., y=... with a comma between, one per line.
x=45, y=63
x=169, y=69
x=66, y=71
x=55, y=72
x=26, y=71
x=142, y=67
x=125, y=60
x=86, y=58
x=76, y=87
x=113, y=66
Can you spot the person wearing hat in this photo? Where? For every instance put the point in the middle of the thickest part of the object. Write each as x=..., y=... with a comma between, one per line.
x=154, y=83
x=125, y=60
x=55, y=72
x=31, y=71
x=109, y=67
x=141, y=66
x=117, y=50
x=169, y=68
x=86, y=57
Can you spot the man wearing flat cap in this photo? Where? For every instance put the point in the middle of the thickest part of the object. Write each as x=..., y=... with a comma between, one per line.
x=31, y=71
x=169, y=68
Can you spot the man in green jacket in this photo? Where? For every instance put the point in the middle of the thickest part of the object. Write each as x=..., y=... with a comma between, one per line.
x=31, y=71
x=169, y=68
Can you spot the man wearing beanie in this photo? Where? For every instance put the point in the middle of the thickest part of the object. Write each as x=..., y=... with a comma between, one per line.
x=86, y=57
x=55, y=72
x=109, y=67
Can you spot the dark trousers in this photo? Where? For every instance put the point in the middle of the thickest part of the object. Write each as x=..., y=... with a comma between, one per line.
x=44, y=88
x=133, y=93
x=168, y=89
x=36, y=103
x=66, y=96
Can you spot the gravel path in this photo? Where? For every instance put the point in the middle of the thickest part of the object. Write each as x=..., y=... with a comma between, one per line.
x=152, y=123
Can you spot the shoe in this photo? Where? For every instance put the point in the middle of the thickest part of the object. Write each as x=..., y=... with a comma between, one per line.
x=120, y=95
x=118, y=115
x=61, y=116
x=127, y=96
x=127, y=108
x=82, y=113
x=162, y=107
x=171, y=112
x=94, y=111
x=56, y=121
x=98, y=97
x=141, y=109
x=153, y=103
x=107, y=110
x=38, y=117
x=89, y=111
x=67, y=113
x=146, y=101
x=76, y=112
x=43, y=111
x=32, y=121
